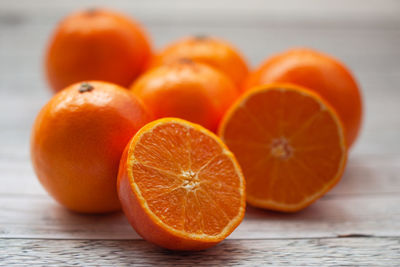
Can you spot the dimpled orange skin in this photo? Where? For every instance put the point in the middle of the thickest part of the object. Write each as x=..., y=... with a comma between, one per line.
x=77, y=140
x=209, y=50
x=96, y=44
x=188, y=90
x=320, y=73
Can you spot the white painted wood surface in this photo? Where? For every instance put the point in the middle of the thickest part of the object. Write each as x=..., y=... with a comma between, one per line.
x=357, y=223
x=277, y=252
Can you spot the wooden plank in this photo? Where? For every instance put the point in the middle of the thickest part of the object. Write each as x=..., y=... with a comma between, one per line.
x=369, y=10
x=379, y=134
x=362, y=49
x=364, y=175
x=372, y=215
x=295, y=252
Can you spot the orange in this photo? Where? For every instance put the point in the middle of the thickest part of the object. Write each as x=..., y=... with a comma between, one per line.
x=290, y=144
x=77, y=141
x=187, y=90
x=96, y=44
x=209, y=50
x=179, y=185
x=321, y=73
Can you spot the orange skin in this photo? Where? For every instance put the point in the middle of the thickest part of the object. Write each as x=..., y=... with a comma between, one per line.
x=147, y=224
x=77, y=140
x=322, y=74
x=187, y=90
x=209, y=50
x=96, y=44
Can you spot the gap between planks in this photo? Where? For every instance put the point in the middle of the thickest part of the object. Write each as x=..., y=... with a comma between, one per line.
x=339, y=236
x=300, y=252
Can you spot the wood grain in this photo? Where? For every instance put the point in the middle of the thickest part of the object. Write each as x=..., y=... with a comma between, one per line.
x=278, y=252
x=375, y=216
x=365, y=202
x=360, y=177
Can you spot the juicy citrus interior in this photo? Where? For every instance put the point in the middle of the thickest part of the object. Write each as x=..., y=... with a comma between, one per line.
x=289, y=144
x=187, y=179
x=320, y=73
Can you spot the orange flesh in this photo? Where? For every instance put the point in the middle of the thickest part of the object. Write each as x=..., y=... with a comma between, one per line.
x=187, y=179
x=289, y=144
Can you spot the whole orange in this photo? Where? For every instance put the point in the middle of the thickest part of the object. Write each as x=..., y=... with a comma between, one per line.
x=187, y=90
x=96, y=44
x=77, y=141
x=209, y=50
x=322, y=74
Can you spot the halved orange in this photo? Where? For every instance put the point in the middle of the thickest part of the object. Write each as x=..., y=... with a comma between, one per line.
x=289, y=143
x=179, y=185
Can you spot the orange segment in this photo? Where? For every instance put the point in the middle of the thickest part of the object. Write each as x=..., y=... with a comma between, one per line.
x=180, y=186
x=289, y=143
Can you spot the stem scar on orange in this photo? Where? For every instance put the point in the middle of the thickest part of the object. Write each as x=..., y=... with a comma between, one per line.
x=179, y=185
x=78, y=139
x=290, y=144
x=208, y=50
x=320, y=73
x=187, y=89
x=96, y=44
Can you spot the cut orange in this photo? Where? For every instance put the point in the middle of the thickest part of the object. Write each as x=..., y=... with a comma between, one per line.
x=320, y=73
x=289, y=143
x=179, y=185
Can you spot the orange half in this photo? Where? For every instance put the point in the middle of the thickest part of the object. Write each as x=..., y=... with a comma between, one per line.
x=179, y=185
x=290, y=145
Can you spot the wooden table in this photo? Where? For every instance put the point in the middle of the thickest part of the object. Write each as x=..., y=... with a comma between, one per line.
x=357, y=223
